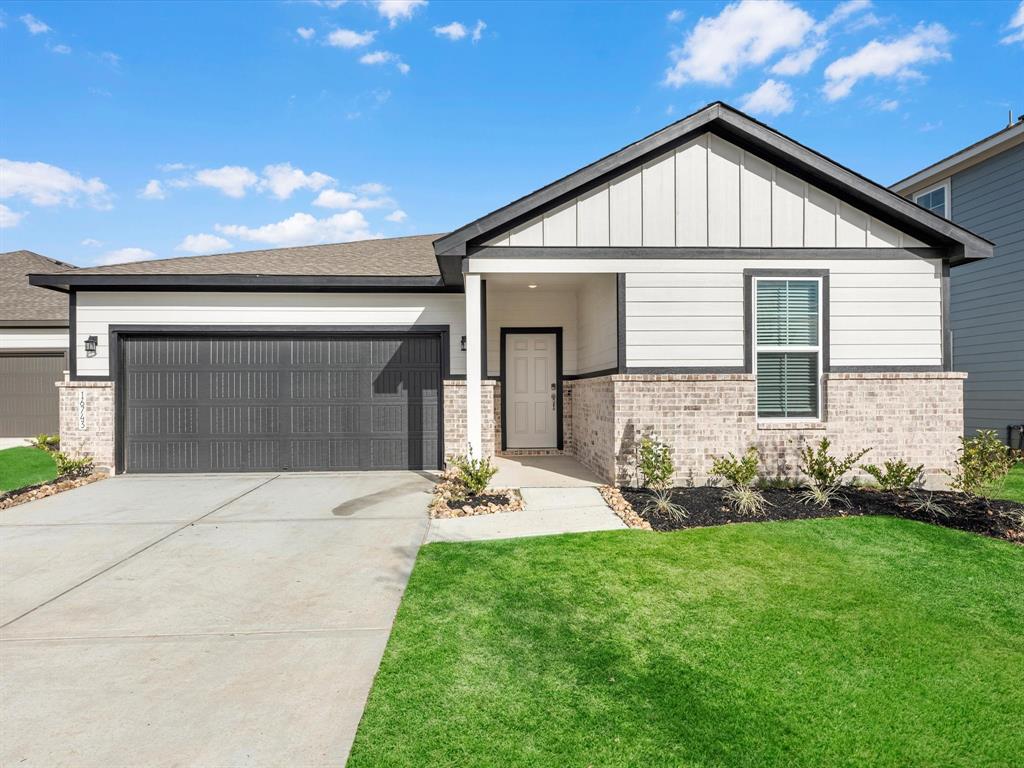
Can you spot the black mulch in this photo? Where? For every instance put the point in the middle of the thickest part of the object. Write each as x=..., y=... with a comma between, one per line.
x=706, y=506
x=481, y=500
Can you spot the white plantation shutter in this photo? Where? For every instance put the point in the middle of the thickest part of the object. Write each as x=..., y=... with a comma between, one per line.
x=788, y=348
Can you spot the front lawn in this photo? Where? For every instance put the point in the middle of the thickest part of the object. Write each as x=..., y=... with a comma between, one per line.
x=24, y=466
x=1012, y=487
x=859, y=641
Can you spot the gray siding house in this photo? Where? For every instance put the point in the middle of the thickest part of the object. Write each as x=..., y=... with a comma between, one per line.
x=981, y=188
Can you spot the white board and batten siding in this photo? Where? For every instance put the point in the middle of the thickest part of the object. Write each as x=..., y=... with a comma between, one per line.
x=98, y=310
x=33, y=338
x=707, y=193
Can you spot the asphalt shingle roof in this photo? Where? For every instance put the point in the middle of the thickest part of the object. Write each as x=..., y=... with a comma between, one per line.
x=21, y=302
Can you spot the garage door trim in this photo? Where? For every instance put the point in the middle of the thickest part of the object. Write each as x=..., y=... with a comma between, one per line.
x=120, y=332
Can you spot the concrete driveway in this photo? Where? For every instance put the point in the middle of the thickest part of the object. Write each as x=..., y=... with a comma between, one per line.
x=230, y=620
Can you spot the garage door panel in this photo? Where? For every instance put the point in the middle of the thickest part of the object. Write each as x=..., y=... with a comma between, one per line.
x=285, y=404
x=28, y=395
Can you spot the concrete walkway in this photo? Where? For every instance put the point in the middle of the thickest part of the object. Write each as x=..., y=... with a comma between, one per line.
x=546, y=511
x=233, y=620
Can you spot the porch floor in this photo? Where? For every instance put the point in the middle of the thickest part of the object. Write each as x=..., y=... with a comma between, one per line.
x=542, y=472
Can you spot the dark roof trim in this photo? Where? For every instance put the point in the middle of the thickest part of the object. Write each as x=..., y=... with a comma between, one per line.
x=641, y=252
x=65, y=280
x=731, y=124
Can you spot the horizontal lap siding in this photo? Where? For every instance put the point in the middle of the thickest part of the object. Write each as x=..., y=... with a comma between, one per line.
x=691, y=313
x=597, y=347
x=98, y=310
x=33, y=338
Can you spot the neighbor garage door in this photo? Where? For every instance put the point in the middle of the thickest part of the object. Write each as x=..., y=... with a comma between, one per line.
x=28, y=395
x=237, y=404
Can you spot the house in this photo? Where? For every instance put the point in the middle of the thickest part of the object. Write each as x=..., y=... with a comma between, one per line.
x=982, y=187
x=716, y=284
x=33, y=346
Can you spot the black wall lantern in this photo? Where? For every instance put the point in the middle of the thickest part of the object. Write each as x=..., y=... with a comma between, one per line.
x=462, y=343
x=90, y=346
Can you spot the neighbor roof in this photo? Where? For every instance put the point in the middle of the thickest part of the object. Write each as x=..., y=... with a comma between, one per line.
x=405, y=261
x=961, y=244
x=21, y=303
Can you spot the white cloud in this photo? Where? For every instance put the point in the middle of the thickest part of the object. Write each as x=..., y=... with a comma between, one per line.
x=203, y=243
x=398, y=10
x=396, y=216
x=9, y=218
x=61, y=49
x=45, y=184
x=332, y=4
x=282, y=180
x=771, y=98
x=303, y=229
x=895, y=59
x=799, y=62
x=384, y=57
x=336, y=198
x=172, y=167
x=842, y=12
x=124, y=256
x=34, y=25
x=91, y=242
x=453, y=31
x=478, y=30
x=371, y=188
x=1015, y=27
x=153, y=190
x=676, y=15
x=232, y=180
x=888, y=105
x=110, y=58
x=348, y=38
x=744, y=34
x=306, y=33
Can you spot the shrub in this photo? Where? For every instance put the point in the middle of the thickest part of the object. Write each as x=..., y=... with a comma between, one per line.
x=739, y=472
x=473, y=474
x=895, y=474
x=46, y=442
x=824, y=470
x=73, y=467
x=820, y=495
x=983, y=461
x=746, y=501
x=654, y=464
x=663, y=505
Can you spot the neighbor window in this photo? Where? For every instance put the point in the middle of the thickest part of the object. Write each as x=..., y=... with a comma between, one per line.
x=787, y=335
x=935, y=199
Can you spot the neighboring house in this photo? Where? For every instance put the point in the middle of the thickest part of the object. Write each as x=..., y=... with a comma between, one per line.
x=33, y=345
x=982, y=187
x=715, y=283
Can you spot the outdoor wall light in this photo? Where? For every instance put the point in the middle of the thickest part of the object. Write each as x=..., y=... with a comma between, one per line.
x=462, y=343
x=90, y=346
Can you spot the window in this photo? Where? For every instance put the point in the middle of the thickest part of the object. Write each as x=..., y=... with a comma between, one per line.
x=787, y=354
x=936, y=199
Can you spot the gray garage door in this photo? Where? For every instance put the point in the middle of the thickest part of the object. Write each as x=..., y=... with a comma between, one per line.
x=238, y=404
x=28, y=397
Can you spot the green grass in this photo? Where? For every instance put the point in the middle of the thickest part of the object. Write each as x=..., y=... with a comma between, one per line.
x=25, y=466
x=1012, y=487
x=842, y=642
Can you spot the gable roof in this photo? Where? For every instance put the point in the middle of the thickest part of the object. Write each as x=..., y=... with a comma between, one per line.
x=397, y=261
x=21, y=303
x=756, y=137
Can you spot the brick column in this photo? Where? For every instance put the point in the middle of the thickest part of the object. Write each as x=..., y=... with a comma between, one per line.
x=87, y=420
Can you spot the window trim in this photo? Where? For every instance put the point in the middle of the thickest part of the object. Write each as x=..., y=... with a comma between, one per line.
x=824, y=332
x=945, y=185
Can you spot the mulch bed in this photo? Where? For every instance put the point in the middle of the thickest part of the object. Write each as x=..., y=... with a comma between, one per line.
x=706, y=506
x=42, y=490
x=450, y=500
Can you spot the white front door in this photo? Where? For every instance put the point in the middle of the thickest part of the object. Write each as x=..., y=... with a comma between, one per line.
x=531, y=402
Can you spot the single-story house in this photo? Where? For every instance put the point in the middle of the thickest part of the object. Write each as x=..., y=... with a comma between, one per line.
x=982, y=187
x=716, y=284
x=33, y=346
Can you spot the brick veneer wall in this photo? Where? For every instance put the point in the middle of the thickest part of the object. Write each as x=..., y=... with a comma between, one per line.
x=455, y=416
x=89, y=432
x=917, y=417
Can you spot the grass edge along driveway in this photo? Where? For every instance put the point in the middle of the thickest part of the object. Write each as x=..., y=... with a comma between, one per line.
x=840, y=642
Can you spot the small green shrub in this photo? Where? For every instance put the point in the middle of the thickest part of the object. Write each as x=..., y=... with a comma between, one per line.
x=822, y=468
x=473, y=474
x=738, y=472
x=820, y=495
x=46, y=442
x=983, y=462
x=746, y=501
x=895, y=474
x=654, y=464
x=663, y=505
x=74, y=467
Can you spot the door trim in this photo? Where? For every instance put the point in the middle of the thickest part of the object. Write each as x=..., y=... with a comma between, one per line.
x=117, y=334
x=557, y=331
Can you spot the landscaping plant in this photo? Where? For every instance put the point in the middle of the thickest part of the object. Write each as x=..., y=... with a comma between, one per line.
x=46, y=442
x=663, y=505
x=67, y=466
x=474, y=474
x=654, y=464
x=983, y=462
x=740, y=475
x=825, y=472
x=895, y=474
x=746, y=500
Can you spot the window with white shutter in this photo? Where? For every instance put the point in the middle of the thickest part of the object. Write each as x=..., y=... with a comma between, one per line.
x=787, y=347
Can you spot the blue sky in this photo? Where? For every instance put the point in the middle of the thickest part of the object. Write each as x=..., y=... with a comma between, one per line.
x=166, y=129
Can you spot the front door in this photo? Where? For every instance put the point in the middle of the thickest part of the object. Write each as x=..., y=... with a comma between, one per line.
x=531, y=399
